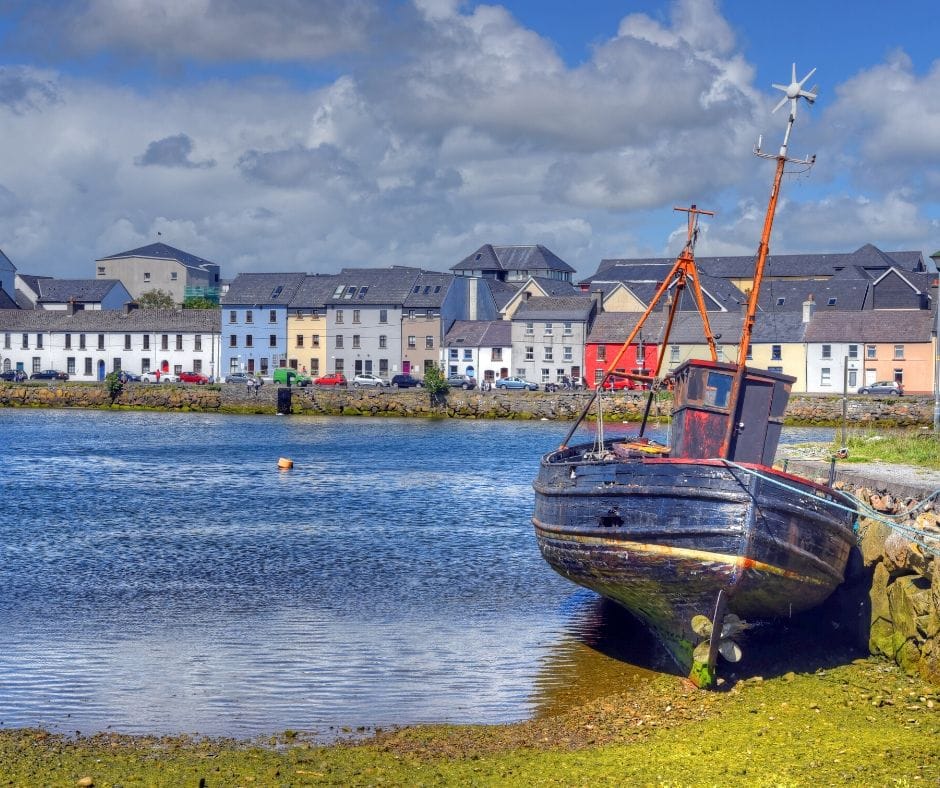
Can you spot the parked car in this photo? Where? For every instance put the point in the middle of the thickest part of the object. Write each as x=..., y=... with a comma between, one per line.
x=15, y=375
x=367, y=379
x=516, y=383
x=290, y=377
x=406, y=382
x=618, y=384
x=193, y=377
x=462, y=381
x=890, y=387
x=334, y=379
x=128, y=377
x=237, y=377
x=156, y=376
x=49, y=374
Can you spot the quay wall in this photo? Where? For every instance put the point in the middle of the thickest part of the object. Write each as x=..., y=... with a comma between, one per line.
x=562, y=405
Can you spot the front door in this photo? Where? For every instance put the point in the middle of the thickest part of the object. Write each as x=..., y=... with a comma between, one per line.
x=406, y=367
x=100, y=370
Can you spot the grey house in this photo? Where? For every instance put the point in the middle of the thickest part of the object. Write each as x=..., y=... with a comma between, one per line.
x=548, y=336
x=162, y=267
x=514, y=264
x=44, y=292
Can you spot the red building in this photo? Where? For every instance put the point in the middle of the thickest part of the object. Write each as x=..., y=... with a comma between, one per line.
x=609, y=332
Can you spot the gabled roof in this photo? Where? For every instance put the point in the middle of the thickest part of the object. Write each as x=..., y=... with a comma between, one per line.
x=891, y=326
x=555, y=287
x=556, y=308
x=613, y=328
x=479, y=333
x=314, y=292
x=512, y=258
x=102, y=320
x=502, y=292
x=263, y=289
x=161, y=251
x=82, y=291
x=645, y=278
x=428, y=290
x=373, y=286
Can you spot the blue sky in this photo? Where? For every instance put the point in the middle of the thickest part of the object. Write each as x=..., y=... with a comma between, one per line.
x=306, y=135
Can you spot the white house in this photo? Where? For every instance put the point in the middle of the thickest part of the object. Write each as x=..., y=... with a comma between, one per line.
x=479, y=348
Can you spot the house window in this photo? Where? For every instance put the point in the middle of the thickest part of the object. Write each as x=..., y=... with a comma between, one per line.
x=179, y=341
x=549, y=329
x=383, y=315
x=81, y=341
x=339, y=365
x=315, y=340
x=825, y=377
x=428, y=343
x=827, y=351
x=898, y=352
x=39, y=341
x=146, y=341
x=899, y=376
x=567, y=353
x=548, y=350
x=356, y=314
x=100, y=272
x=314, y=366
x=412, y=342
x=37, y=363
x=6, y=340
x=25, y=345
x=383, y=367
x=673, y=353
x=853, y=351
x=197, y=365
x=545, y=375
x=249, y=316
x=232, y=316
x=116, y=364
x=339, y=315
x=70, y=365
x=750, y=351
x=529, y=353
x=602, y=352
x=566, y=330
x=197, y=343
x=356, y=341
x=300, y=340
x=272, y=315
x=453, y=354
x=87, y=366
x=776, y=353
x=100, y=341
x=383, y=341
x=781, y=301
x=68, y=341
x=272, y=340
x=530, y=328
x=249, y=340
x=496, y=354
x=146, y=276
x=232, y=340
x=775, y=369
x=468, y=354
x=411, y=314
x=127, y=341
x=339, y=341
x=870, y=352
x=172, y=276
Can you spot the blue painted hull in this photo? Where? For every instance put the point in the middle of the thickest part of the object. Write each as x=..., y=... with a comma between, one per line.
x=663, y=536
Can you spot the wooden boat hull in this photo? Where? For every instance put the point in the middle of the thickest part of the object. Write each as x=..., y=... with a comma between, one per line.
x=663, y=536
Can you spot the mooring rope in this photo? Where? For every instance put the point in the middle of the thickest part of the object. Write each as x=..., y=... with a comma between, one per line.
x=862, y=509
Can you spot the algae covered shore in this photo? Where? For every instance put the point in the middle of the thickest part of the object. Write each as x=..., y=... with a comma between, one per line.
x=862, y=722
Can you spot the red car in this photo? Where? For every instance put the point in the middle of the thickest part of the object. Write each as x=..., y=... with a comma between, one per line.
x=618, y=384
x=193, y=377
x=336, y=379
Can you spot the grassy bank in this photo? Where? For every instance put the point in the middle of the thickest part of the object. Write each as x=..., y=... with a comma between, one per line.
x=863, y=722
x=895, y=447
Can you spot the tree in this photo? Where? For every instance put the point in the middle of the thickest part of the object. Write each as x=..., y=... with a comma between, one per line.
x=114, y=385
x=156, y=299
x=436, y=384
x=199, y=302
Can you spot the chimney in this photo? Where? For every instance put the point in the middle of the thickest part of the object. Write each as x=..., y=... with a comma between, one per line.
x=130, y=306
x=598, y=297
x=809, y=308
x=526, y=296
x=70, y=307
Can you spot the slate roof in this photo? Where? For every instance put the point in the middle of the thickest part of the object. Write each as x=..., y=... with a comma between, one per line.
x=6, y=302
x=501, y=291
x=890, y=326
x=429, y=290
x=83, y=291
x=4, y=259
x=262, y=289
x=512, y=258
x=105, y=320
x=556, y=308
x=849, y=294
x=555, y=287
x=314, y=292
x=374, y=286
x=162, y=251
x=479, y=333
x=644, y=279
x=613, y=328
x=32, y=281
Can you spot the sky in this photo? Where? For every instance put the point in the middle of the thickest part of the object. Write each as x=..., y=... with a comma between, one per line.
x=308, y=135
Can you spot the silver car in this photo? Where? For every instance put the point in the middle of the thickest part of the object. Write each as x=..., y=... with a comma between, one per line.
x=889, y=387
x=367, y=379
x=156, y=376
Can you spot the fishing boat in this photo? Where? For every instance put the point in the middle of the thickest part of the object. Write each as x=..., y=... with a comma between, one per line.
x=702, y=537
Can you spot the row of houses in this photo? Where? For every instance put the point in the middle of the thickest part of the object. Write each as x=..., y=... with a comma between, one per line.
x=829, y=320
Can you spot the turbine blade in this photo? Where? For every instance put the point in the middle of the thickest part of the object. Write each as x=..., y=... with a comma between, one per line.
x=793, y=79
x=784, y=88
x=808, y=95
x=803, y=81
x=782, y=101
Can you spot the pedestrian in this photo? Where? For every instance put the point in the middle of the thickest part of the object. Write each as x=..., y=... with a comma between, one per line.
x=249, y=385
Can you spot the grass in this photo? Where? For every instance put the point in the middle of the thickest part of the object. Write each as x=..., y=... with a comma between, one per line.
x=898, y=447
x=862, y=723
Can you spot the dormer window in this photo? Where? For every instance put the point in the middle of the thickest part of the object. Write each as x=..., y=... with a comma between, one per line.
x=276, y=292
x=780, y=301
x=831, y=302
x=338, y=292
x=478, y=256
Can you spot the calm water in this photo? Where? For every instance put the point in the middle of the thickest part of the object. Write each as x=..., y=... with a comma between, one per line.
x=158, y=574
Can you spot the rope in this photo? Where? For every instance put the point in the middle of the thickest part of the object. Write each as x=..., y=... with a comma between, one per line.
x=861, y=509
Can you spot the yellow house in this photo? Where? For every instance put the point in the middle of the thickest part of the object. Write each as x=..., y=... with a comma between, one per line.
x=307, y=339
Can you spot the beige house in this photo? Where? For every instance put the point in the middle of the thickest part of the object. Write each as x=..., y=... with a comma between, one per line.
x=161, y=267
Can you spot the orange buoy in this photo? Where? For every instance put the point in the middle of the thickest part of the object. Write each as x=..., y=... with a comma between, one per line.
x=284, y=464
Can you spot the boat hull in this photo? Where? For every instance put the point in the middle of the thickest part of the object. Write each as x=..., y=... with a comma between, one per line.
x=663, y=536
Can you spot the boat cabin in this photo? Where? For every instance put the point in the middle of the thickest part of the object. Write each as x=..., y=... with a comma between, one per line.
x=702, y=408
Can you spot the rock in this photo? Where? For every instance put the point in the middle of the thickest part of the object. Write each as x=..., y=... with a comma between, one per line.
x=85, y=782
x=872, y=537
x=902, y=556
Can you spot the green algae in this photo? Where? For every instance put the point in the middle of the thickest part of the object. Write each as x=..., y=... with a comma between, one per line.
x=863, y=723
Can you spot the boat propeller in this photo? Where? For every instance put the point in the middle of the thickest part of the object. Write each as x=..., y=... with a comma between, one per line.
x=731, y=626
